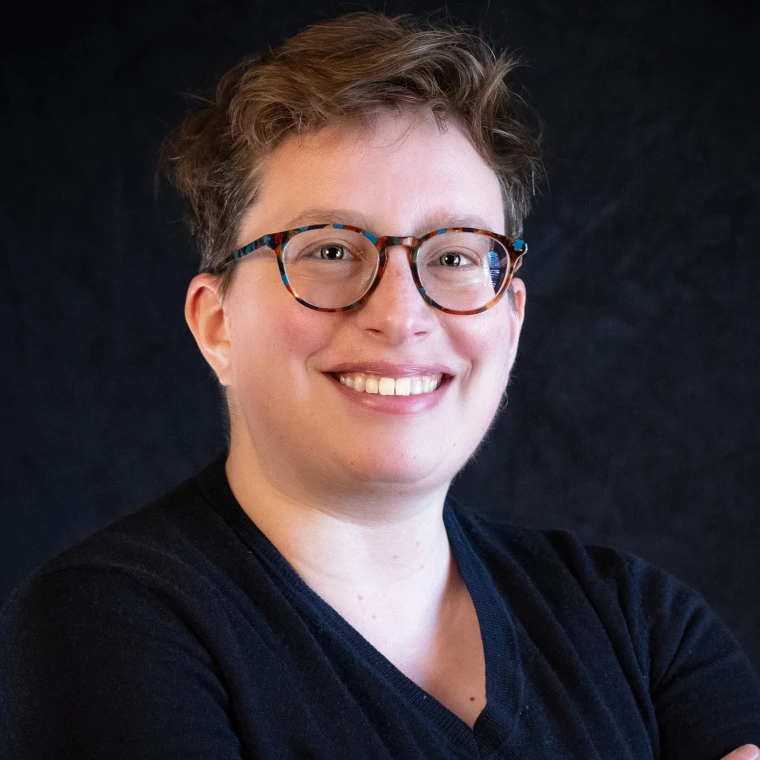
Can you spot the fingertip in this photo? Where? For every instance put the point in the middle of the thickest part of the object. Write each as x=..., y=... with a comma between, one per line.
x=747, y=752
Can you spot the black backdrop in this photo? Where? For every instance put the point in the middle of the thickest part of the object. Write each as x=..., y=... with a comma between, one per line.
x=633, y=413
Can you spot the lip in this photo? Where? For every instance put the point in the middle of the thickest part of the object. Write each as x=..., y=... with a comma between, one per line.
x=389, y=369
x=400, y=406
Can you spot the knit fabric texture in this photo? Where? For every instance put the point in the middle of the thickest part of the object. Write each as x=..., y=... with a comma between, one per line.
x=181, y=632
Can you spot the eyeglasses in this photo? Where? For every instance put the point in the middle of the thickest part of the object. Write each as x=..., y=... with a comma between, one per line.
x=336, y=267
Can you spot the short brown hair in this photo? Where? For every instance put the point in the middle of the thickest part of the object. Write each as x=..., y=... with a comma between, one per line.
x=350, y=69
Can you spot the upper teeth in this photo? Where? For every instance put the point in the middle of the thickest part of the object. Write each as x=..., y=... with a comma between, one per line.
x=388, y=386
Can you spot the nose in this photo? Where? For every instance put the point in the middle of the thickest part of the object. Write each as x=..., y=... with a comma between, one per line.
x=395, y=311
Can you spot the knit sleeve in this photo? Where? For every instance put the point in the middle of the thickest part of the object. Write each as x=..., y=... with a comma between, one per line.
x=705, y=692
x=93, y=666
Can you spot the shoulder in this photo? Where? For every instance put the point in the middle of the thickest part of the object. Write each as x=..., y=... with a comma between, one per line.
x=551, y=559
x=162, y=552
x=664, y=623
x=123, y=624
x=147, y=599
x=545, y=553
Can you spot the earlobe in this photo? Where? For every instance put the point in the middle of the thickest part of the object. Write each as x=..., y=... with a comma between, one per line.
x=205, y=316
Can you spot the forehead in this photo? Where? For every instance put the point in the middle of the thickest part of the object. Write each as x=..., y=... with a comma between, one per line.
x=404, y=176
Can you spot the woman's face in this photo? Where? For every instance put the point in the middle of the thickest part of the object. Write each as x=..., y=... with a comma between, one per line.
x=283, y=361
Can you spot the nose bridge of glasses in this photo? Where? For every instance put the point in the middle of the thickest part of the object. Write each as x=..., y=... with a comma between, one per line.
x=386, y=245
x=404, y=247
x=390, y=241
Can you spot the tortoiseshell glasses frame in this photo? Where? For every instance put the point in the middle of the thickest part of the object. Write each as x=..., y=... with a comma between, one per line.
x=277, y=242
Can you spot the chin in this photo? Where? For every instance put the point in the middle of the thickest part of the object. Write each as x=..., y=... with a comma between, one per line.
x=409, y=471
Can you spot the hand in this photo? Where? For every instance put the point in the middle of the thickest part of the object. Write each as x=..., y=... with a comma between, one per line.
x=746, y=752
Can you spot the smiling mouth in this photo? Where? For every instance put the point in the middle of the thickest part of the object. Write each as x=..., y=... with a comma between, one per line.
x=362, y=382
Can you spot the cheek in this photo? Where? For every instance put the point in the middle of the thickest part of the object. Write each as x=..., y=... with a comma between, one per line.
x=272, y=339
x=489, y=341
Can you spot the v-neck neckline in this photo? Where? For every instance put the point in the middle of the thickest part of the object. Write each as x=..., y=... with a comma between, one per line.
x=499, y=718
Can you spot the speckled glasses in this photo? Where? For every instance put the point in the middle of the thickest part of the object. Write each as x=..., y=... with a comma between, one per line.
x=336, y=267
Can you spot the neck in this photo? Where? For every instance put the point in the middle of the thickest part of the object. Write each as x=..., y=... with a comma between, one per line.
x=348, y=545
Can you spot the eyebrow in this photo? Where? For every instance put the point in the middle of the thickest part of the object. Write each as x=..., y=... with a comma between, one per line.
x=435, y=220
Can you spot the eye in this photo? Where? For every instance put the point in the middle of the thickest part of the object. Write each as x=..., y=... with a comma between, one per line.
x=316, y=248
x=333, y=252
x=456, y=259
x=450, y=259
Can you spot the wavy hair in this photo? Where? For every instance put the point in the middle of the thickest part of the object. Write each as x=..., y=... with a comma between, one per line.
x=351, y=69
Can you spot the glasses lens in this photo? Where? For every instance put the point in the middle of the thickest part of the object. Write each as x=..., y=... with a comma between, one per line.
x=330, y=268
x=462, y=271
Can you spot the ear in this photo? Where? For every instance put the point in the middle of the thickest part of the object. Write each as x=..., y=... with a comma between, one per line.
x=518, y=286
x=205, y=316
x=517, y=316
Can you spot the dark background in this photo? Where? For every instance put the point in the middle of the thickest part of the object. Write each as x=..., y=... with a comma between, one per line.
x=633, y=411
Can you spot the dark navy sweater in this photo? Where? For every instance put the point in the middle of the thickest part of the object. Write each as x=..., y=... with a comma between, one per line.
x=180, y=632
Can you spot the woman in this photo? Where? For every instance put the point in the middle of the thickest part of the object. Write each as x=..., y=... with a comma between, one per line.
x=357, y=197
